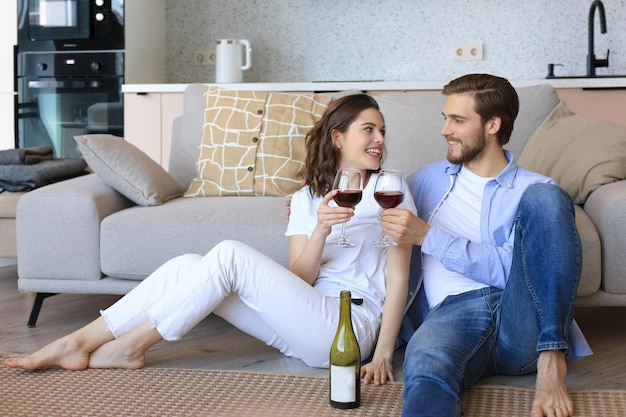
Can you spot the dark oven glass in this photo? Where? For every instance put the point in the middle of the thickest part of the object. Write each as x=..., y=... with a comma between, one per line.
x=51, y=111
x=70, y=25
x=58, y=19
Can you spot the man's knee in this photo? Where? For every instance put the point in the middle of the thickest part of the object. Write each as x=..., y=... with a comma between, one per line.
x=545, y=193
x=546, y=199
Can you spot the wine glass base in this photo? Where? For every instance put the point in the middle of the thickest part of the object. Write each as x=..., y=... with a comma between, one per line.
x=341, y=244
x=386, y=244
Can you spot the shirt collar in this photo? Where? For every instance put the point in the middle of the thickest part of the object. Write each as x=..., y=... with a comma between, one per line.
x=504, y=178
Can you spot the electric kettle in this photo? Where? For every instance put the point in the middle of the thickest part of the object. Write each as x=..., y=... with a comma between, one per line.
x=229, y=55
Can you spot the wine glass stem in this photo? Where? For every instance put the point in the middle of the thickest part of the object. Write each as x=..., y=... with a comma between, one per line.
x=343, y=232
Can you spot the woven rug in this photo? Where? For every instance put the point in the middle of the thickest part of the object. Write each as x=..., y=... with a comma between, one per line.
x=199, y=392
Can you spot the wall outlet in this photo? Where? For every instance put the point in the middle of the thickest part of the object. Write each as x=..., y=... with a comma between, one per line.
x=467, y=52
x=204, y=57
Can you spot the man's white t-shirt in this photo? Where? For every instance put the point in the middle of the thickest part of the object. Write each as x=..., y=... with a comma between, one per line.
x=459, y=215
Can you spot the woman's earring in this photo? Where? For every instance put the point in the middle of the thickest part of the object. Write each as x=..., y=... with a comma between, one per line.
x=338, y=146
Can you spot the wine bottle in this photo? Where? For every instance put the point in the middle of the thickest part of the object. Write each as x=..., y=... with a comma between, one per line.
x=345, y=360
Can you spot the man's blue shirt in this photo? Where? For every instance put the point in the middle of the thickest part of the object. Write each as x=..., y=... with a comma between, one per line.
x=488, y=261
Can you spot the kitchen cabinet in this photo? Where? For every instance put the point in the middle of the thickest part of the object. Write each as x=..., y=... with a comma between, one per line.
x=148, y=119
x=145, y=41
x=604, y=103
x=8, y=40
x=148, y=115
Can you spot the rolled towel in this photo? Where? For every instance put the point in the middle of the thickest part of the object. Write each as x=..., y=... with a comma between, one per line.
x=26, y=156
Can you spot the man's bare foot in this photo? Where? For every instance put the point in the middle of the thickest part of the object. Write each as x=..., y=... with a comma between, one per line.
x=114, y=355
x=551, y=397
x=65, y=352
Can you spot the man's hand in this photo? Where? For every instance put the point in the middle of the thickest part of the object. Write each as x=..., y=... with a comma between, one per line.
x=402, y=226
x=287, y=208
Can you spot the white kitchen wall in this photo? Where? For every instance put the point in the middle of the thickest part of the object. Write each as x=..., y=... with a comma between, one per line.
x=342, y=40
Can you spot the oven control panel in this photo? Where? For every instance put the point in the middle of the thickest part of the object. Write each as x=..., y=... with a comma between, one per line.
x=82, y=64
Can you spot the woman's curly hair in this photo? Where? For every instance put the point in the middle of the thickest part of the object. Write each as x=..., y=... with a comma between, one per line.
x=322, y=158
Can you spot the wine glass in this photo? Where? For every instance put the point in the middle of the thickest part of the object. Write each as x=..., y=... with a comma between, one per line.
x=349, y=182
x=388, y=193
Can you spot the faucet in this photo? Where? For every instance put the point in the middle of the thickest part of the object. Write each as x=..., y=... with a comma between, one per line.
x=592, y=62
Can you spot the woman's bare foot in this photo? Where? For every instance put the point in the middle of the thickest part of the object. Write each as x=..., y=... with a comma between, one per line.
x=114, y=355
x=69, y=352
x=65, y=352
x=128, y=351
x=551, y=397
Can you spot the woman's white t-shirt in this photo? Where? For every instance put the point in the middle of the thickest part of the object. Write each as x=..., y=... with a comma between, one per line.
x=360, y=269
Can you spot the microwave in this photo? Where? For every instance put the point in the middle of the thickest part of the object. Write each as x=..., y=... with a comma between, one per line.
x=60, y=25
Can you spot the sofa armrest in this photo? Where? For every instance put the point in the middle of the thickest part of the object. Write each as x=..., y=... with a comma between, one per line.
x=606, y=207
x=58, y=228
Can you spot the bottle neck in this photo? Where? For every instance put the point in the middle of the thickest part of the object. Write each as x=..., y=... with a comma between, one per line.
x=345, y=312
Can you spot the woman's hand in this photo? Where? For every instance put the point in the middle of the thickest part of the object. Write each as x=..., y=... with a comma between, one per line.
x=328, y=216
x=305, y=252
x=377, y=372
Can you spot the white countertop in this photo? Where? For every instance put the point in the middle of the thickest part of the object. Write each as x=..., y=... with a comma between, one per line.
x=607, y=82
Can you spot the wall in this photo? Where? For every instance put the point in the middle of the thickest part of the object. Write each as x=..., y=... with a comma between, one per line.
x=340, y=40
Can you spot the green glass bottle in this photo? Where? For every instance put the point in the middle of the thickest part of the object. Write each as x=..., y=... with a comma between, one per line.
x=345, y=360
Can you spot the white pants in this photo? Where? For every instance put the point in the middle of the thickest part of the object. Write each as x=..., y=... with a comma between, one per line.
x=249, y=290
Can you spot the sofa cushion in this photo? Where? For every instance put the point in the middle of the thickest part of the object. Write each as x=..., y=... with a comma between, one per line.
x=253, y=142
x=136, y=241
x=128, y=170
x=578, y=152
x=591, y=268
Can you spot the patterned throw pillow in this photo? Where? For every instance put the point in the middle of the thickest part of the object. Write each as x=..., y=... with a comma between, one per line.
x=253, y=142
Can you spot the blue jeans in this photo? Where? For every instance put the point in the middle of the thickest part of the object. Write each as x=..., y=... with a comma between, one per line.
x=493, y=331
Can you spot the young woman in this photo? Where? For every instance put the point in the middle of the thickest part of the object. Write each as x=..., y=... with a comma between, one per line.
x=295, y=310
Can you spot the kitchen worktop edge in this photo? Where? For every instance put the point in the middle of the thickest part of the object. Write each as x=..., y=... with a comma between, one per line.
x=591, y=83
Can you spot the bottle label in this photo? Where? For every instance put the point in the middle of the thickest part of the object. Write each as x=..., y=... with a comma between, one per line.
x=343, y=384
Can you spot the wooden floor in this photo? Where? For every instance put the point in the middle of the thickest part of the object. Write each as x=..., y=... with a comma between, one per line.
x=215, y=344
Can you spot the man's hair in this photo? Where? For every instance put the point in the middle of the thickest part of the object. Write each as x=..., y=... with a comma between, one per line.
x=493, y=97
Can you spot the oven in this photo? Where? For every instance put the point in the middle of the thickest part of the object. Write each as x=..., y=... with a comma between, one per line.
x=61, y=95
x=58, y=25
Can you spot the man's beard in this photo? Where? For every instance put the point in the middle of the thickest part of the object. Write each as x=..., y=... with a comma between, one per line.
x=468, y=154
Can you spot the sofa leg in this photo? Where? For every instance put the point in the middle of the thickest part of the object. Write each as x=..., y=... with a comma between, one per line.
x=34, y=313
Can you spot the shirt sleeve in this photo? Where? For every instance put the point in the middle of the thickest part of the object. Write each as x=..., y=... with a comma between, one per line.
x=484, y=263
x=300, y=217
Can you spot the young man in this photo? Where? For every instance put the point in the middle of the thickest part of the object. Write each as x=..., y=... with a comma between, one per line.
x=500, y=262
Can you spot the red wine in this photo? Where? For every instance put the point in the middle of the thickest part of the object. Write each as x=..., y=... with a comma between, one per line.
x=348, y=198
x=388, y=199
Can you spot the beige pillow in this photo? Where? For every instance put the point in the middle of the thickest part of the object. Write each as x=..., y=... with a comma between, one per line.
x=253, y=142
x=579, y=153
x=128, y=170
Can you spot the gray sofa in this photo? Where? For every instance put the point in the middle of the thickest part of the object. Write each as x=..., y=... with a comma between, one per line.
x=81, y=236
x=8, y=211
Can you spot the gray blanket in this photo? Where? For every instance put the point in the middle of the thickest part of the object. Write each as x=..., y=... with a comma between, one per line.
x=28, y=177
x=26, y=156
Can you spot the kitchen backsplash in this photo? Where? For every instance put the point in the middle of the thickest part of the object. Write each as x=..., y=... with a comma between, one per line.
x=344, y=40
